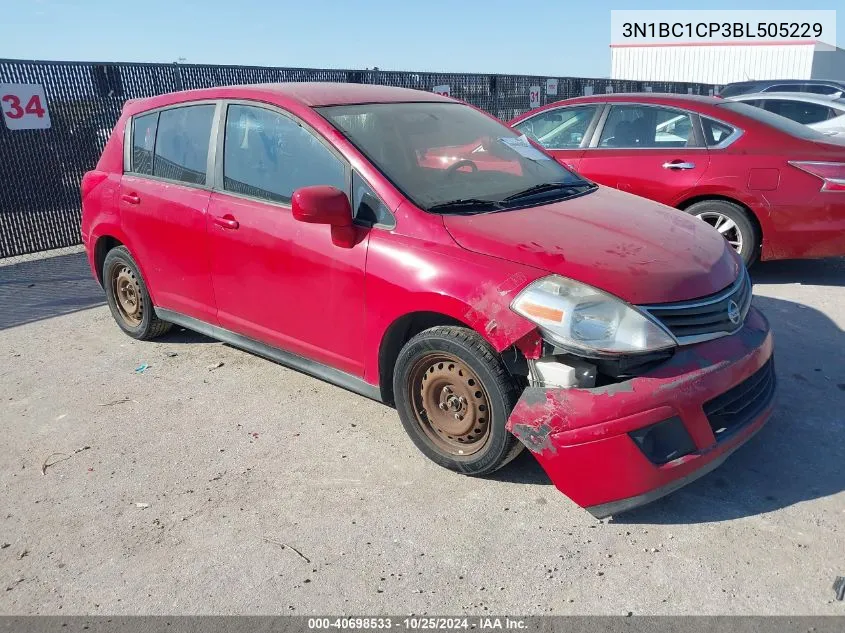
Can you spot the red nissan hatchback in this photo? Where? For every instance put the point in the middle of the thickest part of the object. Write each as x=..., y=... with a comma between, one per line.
x=417, y=251
x=773, y=187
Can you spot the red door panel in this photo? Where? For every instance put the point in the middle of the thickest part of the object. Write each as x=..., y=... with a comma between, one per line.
x=167, y=226
x=652, y=151
x=664, y=175
x=285, y=283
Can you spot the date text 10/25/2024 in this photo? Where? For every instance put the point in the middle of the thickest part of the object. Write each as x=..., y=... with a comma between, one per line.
x=417, y=623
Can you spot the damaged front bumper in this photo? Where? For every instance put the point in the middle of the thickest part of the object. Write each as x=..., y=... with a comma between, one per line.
x=616, y=447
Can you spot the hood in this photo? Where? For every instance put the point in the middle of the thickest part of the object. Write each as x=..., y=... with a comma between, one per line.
x=636, y=249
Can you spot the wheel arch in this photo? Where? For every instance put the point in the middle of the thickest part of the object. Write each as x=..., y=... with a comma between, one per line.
x=102, y=246
x=399, y=332
x=749, y=211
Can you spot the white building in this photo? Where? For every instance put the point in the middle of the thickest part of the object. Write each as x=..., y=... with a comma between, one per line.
x=722, y=63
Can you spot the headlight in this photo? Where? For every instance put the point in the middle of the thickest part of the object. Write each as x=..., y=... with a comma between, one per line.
x=584, y=319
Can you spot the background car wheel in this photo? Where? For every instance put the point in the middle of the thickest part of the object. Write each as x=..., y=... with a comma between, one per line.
x=733, y=223
x=454, y=396
x=127, y=295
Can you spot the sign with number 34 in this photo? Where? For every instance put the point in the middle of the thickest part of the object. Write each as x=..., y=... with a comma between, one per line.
x=24, y=106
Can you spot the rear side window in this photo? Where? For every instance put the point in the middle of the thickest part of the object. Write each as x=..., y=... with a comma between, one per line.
x=800, y=111
x=640, y=126
x=143, y=143
x=268, y=155
x=715, y=132
x=181, y=148
x=780, y=123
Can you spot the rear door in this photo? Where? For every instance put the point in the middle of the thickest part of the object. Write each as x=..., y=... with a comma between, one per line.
x=278, y=280
x=164, y=196
x=652, y=151
x=563, y=132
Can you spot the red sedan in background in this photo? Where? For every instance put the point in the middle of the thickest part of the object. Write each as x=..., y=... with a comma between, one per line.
x=774, y=188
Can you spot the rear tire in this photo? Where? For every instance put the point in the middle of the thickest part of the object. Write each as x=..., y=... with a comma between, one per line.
x=454, y=396
x=732, y=221
x=128, y=298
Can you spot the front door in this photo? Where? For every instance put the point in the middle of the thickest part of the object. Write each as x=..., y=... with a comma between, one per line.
x=278, y=280
x=650, y=151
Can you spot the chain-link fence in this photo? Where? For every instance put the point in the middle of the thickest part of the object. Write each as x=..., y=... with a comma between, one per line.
x=40, y=169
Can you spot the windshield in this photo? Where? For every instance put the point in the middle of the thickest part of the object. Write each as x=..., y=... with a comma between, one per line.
x=777, y=121
x=450, y=158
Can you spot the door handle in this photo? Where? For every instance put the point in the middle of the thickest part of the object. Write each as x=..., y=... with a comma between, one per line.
x=227, y=221
x=131, y=198
x=678, y=165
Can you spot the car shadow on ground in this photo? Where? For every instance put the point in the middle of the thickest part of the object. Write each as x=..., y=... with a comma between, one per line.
x=816, y=272
x=44, y=288
x=798, y=456
x=38, y=289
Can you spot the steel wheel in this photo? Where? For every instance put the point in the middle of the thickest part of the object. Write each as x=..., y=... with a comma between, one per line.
x=726, y=226
x=450, y=404
x=127, y=294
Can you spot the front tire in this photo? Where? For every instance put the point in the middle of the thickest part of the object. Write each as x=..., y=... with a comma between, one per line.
x=733, y=223
x=128, y=298
x=454, y=396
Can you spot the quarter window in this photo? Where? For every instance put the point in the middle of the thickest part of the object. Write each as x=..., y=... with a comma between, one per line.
x=143, y=143
x=715, y=132
x=367, y=206
x=268, y=155
x=181, y=148
x=640, y=126
x=559, y=129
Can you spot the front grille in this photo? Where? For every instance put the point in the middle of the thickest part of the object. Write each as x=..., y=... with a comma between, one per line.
x=741, y=404
x=708, y=317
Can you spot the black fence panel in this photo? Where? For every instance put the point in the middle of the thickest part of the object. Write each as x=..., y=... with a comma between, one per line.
x=40, y=170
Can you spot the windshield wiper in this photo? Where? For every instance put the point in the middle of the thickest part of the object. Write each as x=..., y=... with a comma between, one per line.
x=471, y=204
x=547, y=186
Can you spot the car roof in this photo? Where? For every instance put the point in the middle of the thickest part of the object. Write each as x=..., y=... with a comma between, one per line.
x=309, y=94
x=767, y=82
x=807, y=97
x=643, y=97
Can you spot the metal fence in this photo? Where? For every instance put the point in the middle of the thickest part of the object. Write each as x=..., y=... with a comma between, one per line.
x=40, y=170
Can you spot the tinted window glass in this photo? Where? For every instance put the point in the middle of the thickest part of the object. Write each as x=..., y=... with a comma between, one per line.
x=367, y=206
x=559, y=129
x=143, y=142
x=786, y=88
x=647, y=127
x=780, y=123
x=182, y=143
x=715, y=132
x=798, y=110
x=270, y=156
x=822, y=89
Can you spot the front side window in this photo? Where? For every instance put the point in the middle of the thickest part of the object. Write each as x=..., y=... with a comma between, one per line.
x=559, y=129
x=799, y=111
x=181, y=148
x=268, y=155
x=143, y=143
x=648, y=127
x=450, y=158
x=822, y=89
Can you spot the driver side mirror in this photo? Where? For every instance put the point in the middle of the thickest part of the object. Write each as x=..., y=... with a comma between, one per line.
x=322, y=204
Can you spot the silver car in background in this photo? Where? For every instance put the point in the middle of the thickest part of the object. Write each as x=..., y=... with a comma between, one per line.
x=825, y=113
